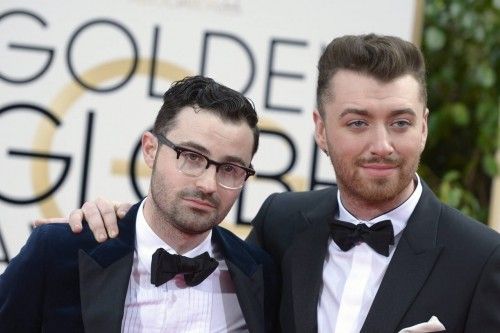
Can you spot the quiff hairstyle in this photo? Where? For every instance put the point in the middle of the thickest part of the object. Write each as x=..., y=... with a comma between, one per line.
x=204, y=93
x=383, y=57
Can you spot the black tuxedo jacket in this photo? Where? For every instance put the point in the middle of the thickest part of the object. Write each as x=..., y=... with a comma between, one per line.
x=445, y=265
x=62, y=282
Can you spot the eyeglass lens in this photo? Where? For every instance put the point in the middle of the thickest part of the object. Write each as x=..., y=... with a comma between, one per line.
x=228, y=175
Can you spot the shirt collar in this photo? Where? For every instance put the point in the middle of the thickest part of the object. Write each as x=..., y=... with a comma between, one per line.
x=399, y=216
x=147, y=242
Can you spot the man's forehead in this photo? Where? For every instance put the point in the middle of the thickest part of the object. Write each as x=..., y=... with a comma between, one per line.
x=348, y=81
x=213, y=136
x=351, y=86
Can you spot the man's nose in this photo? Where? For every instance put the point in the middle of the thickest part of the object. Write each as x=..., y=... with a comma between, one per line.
x=381, y=142
x=207, y=181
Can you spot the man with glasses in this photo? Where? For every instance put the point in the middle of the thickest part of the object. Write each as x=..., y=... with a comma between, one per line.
x=229, y=175
x=171, y=268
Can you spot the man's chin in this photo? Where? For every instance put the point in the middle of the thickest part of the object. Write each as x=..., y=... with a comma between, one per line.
x=377, y=190
x=195, y=228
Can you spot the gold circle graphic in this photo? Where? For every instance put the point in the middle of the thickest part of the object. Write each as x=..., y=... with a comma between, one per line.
x=70, y=94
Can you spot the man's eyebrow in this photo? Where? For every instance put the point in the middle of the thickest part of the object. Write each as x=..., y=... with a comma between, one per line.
x=202, y=150
x=403, y=111
x=195, y=146
x=365, y=113
x=347, y=111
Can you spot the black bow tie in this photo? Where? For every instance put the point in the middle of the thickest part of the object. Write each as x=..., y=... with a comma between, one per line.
x=379, y=236
x=164, y=266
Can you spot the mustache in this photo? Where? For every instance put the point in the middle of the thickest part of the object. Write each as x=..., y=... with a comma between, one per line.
x=195, y=194
x=394, y=161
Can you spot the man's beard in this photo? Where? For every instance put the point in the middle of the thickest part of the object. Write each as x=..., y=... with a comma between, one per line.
x=375, y=190
x=173, y=209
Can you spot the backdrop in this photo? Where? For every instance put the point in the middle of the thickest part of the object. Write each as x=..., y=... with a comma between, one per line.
x=81, y=80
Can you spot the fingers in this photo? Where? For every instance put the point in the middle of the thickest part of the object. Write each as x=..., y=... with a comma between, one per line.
x=75, y=220
x=122, y=209
x=101, y=216
x=90, y=211
x=108, y=215
x=38, y=222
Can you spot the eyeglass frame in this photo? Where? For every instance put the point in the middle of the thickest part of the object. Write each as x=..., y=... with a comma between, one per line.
x=179, y=150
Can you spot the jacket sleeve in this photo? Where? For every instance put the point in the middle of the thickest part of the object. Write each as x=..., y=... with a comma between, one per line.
x=484, y=313
x=21, y=288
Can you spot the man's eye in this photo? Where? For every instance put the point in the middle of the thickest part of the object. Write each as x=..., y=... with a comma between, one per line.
x=192, y=157
x=356, y=123
x=401, y=123
x=228, y=168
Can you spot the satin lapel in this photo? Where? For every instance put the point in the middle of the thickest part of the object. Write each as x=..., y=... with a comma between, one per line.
x=247, y=277
x=409, y=268
x=102, y=292
x=306, y=257
x=250, y=293
x=104, y=275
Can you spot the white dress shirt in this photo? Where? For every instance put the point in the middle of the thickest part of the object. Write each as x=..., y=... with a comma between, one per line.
x=351, y=279
x=211, y=306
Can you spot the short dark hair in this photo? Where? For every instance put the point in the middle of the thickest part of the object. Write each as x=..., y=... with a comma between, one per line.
x=205, y=93
x=383, y=57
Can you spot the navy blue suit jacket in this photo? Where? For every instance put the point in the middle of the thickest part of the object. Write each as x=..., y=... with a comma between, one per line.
x=62, y=282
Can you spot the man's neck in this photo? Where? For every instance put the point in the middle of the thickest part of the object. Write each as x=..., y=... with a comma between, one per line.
x=367, y=210
x=178, y=240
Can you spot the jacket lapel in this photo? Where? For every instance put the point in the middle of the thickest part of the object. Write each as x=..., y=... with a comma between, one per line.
x=409, y=268
x=250, y=293
x=102, y=292
x=306, y=258
x=104, y=274
x=247, y=277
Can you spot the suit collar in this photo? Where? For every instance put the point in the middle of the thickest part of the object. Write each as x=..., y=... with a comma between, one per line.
x=104, y=274
x=409, y=268
x=113, y=249
x=421, y=231
x=324, y=210
x=233, y=252
x=247, y=276
x=307, y=255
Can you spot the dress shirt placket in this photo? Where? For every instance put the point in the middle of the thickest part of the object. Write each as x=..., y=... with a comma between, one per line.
x=354, y=289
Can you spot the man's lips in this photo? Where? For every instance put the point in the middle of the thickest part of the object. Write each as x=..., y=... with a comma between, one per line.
x=199, y=203
x=379, y=169
x=380, y=166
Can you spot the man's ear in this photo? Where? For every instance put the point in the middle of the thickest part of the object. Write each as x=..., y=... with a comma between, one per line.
x=320, y=132
x=149, y=148
x=425, y=129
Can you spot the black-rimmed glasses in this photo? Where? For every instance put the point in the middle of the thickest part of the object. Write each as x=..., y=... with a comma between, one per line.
x=229, y=175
